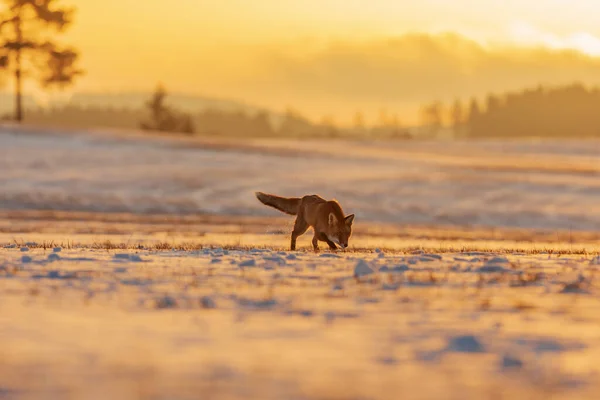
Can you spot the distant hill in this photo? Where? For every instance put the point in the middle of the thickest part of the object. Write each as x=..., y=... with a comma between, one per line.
x=131, y=100
x=337, y=79
x=215, y=117
x=401, y=73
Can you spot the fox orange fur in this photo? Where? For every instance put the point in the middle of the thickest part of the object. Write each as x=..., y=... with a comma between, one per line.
x=325, y=217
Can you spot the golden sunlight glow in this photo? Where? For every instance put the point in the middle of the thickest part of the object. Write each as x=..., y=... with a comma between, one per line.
x=250, y=50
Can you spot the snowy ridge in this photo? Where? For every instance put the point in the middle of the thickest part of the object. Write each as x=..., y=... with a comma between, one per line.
x=550, y=185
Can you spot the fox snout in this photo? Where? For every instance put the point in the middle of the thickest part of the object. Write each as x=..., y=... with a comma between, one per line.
x=343, y=242
x=342, y=230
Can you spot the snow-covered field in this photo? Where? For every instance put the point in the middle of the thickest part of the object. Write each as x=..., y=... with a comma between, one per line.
x=550, y=185
x=143, y=267
x=262, y=324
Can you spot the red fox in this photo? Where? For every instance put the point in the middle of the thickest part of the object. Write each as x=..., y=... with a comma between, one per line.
x=326, y=218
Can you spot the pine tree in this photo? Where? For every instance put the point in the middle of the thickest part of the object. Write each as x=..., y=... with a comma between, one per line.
x=164, y=118
x=23, y=45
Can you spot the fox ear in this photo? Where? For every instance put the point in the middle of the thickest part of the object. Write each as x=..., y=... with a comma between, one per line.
x=349, y=219
x=332, y=219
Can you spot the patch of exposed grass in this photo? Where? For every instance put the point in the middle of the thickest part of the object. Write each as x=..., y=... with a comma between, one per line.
x=522, y=305
x=110, y=245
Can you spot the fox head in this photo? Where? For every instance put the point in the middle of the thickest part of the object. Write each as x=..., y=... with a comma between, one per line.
x=340, y=230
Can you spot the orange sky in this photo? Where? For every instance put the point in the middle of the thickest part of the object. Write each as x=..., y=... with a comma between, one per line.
x=215, y=48
x=132, y=43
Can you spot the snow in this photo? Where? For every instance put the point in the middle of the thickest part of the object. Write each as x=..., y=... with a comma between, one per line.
x=549, y=185
x=207, y=302
x=465, y=344
x=123, y=302
x=53, y=257
x=362, y=268
x=296, y=327
x=248, y=263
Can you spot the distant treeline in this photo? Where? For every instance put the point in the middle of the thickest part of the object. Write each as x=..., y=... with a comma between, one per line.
x=157, y=115
x=214, y=122
x=206, y=122
x=566, y=111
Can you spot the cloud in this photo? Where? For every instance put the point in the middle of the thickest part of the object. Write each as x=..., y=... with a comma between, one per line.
x=524, y=33
x=406, y=71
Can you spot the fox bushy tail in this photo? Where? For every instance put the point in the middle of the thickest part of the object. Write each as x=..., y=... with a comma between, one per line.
x=283, y=204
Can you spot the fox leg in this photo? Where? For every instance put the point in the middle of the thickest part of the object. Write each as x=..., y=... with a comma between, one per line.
x=315, y=242
x=300, y=226
x=332, y=245
x=323, y=238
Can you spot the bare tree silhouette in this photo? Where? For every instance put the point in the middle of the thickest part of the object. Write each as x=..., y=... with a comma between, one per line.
x=23, y=45
x=474, y=116
x=431, y=116
x=294, y=124
x=359, y=121
x=328, y=126
x=457, y=117
x=457, y=113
